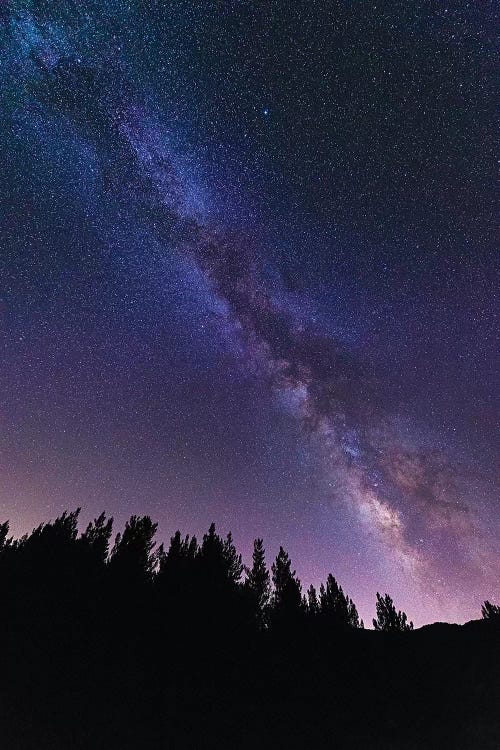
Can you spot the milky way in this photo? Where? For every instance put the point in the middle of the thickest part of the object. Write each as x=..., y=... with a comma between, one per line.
x=213, y=310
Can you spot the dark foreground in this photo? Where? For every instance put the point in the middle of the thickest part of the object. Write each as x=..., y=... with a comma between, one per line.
x=141, y=649
x=438, y=687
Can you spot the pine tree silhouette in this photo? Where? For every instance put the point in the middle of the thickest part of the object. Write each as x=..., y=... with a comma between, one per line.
x=337, y=608
x=286, y=601
x=4, y=530
x=490, y=611
x=220, y=562
x=258, y=582
x=233, y=561
x=177, y=565
x=388, y=619
x=133, y=556
x=97, y=536
x=312, y=601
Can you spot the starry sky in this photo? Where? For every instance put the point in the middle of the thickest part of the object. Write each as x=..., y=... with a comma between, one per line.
x=249, y=274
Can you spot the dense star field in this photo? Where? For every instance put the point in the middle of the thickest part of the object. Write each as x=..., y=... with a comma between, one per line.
x=248, y=274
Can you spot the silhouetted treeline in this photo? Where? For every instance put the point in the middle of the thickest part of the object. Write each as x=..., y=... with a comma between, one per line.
x=120, y=643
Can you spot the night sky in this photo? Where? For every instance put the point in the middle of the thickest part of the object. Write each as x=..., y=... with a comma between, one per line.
x=248, y=274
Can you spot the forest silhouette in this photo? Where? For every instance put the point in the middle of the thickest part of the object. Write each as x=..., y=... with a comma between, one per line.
x=125, y=644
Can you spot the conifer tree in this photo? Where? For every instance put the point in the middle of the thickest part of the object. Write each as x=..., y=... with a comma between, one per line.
x=336, y=606
x=490, y=611
x=354, y=619
x=220, y=563
x=133, y=553
x=178, y=575
x=97, y=535
x=181, y=555
x=388, y=618
x=233, y=561
x=312, y=601
x=258, y=582
x=287, y=596
x=4, y=530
